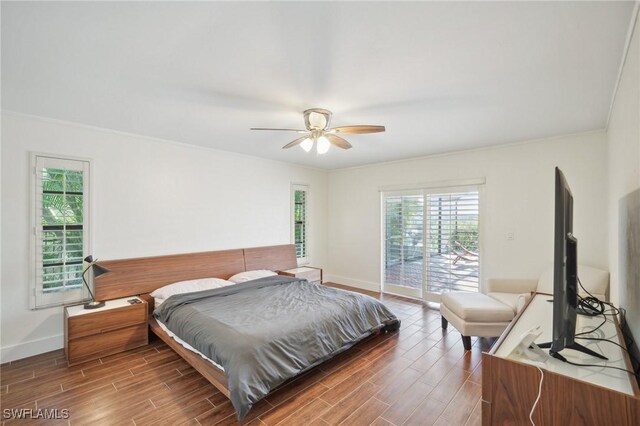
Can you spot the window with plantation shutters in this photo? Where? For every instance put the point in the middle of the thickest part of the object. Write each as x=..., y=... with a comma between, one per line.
x=403, y=248
x=431, y=241
x=60, y=227
x=452, y=244
x=300, y=221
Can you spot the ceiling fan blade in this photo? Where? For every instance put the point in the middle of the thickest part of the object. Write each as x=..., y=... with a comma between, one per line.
x=295, y=142
x=284, y=130
x=338, y=141
x=359, y=129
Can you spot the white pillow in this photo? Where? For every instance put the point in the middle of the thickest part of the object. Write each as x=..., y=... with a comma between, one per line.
x=251, y=275
x=188, y=287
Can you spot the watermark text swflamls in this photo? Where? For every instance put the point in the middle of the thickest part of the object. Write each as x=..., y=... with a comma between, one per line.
x=30, y=413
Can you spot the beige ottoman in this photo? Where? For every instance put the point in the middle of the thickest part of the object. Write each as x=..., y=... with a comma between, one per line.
x=474, y=314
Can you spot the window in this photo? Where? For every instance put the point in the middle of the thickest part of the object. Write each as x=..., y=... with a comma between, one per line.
x=300, y=225
x=431, y=241
x=453, y=242
x=403, y=248
x=60, y=228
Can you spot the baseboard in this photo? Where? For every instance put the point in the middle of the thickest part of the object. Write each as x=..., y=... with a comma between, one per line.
x=364, y=285
x=31, y=348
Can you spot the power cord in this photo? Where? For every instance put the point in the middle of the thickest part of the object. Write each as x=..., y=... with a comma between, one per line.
x=604, y=314
x=592, y=306
x=538, y=397
x=594, y=301
x=563, y=359
x=589, y=306
x=604, y=340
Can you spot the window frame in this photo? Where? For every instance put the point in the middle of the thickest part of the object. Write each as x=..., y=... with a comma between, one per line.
x=306, y=188
x=37, y=297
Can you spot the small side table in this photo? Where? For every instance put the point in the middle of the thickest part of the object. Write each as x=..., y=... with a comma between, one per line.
x=310, y=273
x=93, y=333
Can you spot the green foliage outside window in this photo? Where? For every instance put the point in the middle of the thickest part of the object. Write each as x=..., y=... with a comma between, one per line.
x=62, y=228
x=466, y=234
x=404, y=222
x=403, y=217
x=300, y=222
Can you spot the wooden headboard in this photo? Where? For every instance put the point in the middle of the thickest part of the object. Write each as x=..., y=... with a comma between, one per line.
x=274, y=258
x=135, y=276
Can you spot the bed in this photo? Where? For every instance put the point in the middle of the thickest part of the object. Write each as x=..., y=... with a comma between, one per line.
x=248, y=338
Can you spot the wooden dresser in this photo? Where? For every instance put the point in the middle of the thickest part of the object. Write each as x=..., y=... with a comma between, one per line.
x=570, y=394
x=94, y=333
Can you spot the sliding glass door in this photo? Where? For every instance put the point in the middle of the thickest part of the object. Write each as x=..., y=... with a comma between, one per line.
x=453, y=243
x=431, y=242
x=403, y=214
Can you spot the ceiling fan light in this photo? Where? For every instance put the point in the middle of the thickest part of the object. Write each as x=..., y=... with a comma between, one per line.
x=323, y=145
x=307, y=144
x=318, y=120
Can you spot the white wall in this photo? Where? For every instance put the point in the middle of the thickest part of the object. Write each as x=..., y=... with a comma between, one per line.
x=150, y=198
x=518, y=197
x=156, y=197
x=623, y=135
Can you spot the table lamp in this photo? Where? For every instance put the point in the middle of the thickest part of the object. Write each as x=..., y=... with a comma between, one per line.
x=97, y=271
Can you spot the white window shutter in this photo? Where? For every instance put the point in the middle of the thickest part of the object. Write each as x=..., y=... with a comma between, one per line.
x=61, y=229
x=453, y=252
x=300, y=222
x=431, y=240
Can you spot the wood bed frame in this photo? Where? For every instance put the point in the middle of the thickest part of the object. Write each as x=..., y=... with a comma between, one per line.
x=141, y=276
x=209, y=371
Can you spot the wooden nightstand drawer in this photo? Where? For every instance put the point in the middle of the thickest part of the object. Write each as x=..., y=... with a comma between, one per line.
x=116, y=327
x=107, y=343
x=311, y=274
x=101, y=322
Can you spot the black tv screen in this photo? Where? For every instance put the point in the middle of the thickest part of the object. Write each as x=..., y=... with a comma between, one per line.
x=629, y=270
x=565, y=268
x=565, y=274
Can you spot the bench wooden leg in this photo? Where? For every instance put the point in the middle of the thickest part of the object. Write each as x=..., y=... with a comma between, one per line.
x=466, y=342
x=444, y=322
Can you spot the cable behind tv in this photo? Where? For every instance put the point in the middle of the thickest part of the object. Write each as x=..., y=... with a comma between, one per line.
x=592, y=306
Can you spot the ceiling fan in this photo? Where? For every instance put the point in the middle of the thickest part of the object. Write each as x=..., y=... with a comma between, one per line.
x=318, y=132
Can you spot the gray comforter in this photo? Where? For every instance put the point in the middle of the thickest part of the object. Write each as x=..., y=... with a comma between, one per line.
x=266, y=331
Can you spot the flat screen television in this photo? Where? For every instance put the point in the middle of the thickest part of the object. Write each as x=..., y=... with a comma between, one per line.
x=565, y=275
x=629, y=270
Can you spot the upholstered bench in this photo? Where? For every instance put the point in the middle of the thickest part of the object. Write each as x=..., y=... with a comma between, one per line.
x=474, y=314
x=487, y=315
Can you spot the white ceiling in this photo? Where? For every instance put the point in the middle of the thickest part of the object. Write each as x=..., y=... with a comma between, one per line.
x=440, y=76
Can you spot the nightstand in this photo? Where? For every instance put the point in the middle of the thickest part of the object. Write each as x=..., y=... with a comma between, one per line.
x=310, y=273
x=93, y=333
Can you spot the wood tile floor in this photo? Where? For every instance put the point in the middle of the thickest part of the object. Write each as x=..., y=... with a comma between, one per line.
x=418, y=376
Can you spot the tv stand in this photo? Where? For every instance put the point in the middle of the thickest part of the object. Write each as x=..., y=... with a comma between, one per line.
x=570, y=394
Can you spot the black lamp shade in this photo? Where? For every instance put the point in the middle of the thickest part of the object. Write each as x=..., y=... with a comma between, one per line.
x=99, y=270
